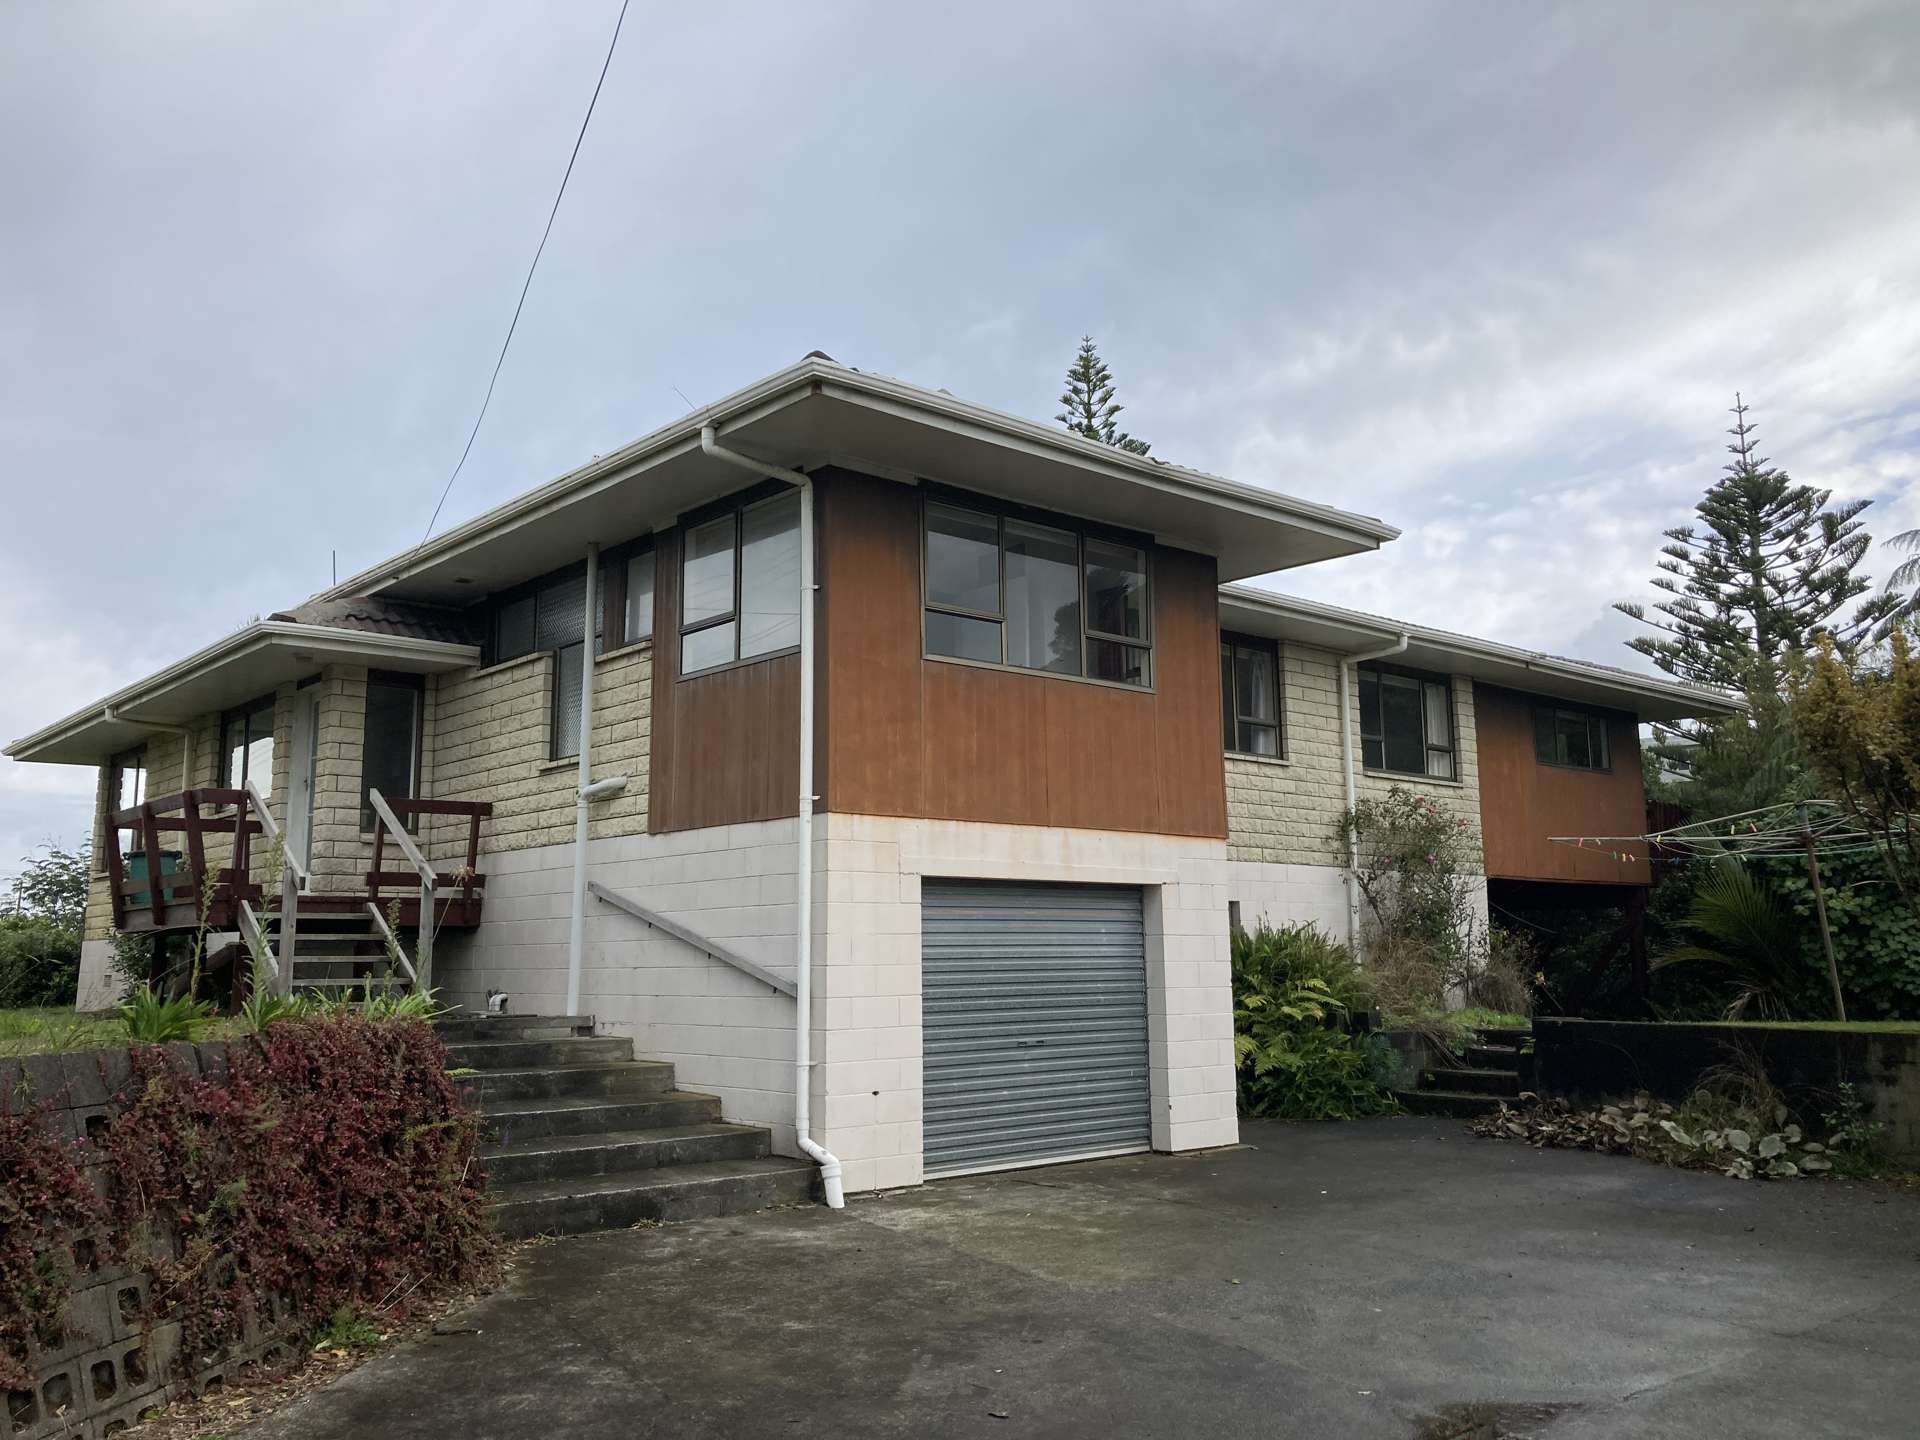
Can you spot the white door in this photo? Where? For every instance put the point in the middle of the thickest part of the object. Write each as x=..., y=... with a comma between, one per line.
x=306, y=726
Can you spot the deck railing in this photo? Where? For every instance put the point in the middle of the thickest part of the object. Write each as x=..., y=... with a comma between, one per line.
x=465, y=879
x=171, y=900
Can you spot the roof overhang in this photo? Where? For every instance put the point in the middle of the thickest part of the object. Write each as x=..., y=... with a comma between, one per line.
x=247, y=664
x=821, y=413
x=1328, y=627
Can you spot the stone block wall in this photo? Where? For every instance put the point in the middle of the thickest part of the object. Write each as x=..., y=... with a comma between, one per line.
x=1287, y=811
x=109, y=1366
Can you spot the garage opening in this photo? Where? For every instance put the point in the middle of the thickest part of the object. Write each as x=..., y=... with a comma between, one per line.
x=1034, y=1022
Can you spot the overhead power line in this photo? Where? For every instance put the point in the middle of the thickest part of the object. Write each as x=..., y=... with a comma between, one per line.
x=527, y=284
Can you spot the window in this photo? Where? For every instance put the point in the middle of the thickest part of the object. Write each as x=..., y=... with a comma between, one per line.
x=1406, y=723
x=1574, y=738
x=390, y=741
x=126, y=788
x=740, y=585
x=638, y=604
x=246, y=747
x=551, y=615
x=1017, y=590
x=1250, y=695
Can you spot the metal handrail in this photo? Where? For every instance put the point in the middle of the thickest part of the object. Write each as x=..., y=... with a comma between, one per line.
x=686, y=936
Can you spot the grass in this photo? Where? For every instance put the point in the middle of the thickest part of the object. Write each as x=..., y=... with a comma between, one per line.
x=55, y=1031
x=1459, y=1025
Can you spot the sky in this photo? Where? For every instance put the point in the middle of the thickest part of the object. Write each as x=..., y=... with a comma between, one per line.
x=1492, y=273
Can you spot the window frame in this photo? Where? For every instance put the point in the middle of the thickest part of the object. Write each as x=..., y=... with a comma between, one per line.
x=734, y=506
x=1001, y=511
x=118, y=765
x=1230, y=711
x=1596, y=722
x=268, y=703
x=1427, y=746
x=397, y=680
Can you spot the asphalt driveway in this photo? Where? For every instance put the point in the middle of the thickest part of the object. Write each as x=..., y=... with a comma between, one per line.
x=1337, y=1280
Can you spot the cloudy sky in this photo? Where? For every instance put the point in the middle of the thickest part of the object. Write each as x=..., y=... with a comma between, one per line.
x=1490, y=272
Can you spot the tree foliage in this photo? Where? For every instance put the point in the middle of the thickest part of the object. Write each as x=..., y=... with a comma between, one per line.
x=1088, y=406
x=1769, y=566
x=1745, y=930
x=1903, y=585
x=41, y=930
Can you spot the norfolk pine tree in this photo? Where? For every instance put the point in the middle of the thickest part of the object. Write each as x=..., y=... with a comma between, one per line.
x=1089, y=406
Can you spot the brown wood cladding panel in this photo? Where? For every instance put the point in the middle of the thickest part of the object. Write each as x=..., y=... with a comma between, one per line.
x=930, y=739
x=1523, y=803
x=725, y=747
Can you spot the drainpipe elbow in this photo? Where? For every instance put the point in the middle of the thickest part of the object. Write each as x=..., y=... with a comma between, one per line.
x=829, y=1164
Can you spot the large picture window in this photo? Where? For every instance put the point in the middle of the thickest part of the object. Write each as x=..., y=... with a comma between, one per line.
x=246, y=747
x=1250, y=695
x=1406, y=723
x=740, y=585
x=1017, y=590
x=390, y=742
x=1576, y=739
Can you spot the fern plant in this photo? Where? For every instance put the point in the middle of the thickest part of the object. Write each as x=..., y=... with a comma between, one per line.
x=1748, y=932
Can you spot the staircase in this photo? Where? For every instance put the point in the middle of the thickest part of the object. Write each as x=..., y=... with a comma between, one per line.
x=335, y=954
x=578, y=1135
x=1498, y=1067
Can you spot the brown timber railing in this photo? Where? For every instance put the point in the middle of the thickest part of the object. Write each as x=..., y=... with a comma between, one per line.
x=169, y=901
x=462, y=901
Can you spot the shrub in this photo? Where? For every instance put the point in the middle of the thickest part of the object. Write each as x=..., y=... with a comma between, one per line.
x=47, y=1208
x=1293, y=992
x=39, y=963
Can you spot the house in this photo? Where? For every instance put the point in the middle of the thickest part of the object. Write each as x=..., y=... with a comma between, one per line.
x=842, y=698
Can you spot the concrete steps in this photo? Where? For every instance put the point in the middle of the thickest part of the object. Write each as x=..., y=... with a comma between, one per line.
x=1497, y=1068
x=578, y=1135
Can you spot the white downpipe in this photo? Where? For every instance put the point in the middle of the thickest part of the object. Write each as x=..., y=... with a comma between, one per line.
x=583, y=797
x=828, y=1162
x=1347, y=662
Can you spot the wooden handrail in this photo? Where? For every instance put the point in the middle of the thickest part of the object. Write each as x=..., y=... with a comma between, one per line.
x=271, y=829
x=402, y=838
x=393, y=942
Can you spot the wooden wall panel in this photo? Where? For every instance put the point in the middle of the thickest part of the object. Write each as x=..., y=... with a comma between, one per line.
x=903, y=735
x=1523, y=802
x=725, y=745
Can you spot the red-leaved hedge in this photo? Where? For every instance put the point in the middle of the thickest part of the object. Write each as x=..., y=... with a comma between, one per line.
x=332, y=1165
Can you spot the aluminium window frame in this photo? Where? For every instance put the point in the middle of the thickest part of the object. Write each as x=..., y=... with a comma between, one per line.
x=1231, y=640
x=737, y=506
x=270, y=703
x=1427, y=747
x=396, y=680
x=1001, y=511
x=1596, y=721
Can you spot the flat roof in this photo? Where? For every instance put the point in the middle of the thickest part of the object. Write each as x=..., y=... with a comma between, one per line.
x=1329, y=627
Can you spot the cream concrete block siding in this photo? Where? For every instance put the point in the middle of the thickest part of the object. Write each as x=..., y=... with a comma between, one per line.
x=867, y=1031
x=1283, y=816
x=726, y=1033
x=490, y=737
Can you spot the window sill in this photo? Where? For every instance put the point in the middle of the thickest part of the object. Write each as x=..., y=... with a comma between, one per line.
x=1398, y=777
x=1576, y=769
x=565, y=762
x=1039, y=674
x=740, y=664
x=1281, y=760
x=620, y=652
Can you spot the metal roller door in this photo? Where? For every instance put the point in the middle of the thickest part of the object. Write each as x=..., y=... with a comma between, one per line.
x=1034, y=1013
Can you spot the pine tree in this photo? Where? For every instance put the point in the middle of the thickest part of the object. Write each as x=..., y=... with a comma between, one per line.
x=1090, y=406
x=1770, y=568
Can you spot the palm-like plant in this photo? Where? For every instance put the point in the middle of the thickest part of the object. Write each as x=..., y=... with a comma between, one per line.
x=1747, y=931
x=1905, y=576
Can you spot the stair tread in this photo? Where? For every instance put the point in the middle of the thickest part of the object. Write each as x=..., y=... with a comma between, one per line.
x=667, y=1177
x=1474, y=1070
x=505, y=1108
x=716, y=1129
x=487, y=1017
x=507, y=1042
x=566, y=1067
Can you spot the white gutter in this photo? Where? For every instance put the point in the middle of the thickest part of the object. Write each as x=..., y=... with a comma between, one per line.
x=1347, y=662
x=803, y=926
x=111, y=716
x=585, y=791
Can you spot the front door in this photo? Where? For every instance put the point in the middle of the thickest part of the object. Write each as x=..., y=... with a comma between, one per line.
x=306, y=727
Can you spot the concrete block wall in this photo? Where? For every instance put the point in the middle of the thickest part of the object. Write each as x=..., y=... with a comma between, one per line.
x=867, y=1020
x=1287, y=811
x=490, y=738
x=724, y=1032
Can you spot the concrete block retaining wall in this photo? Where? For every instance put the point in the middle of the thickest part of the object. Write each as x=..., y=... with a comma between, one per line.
x=1590, y=1060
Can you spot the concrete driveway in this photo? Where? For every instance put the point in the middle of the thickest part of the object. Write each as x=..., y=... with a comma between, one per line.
x=1335, y=1280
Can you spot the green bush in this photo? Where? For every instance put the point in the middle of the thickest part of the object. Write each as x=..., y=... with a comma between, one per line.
x=39, y=962
x=1294, y=991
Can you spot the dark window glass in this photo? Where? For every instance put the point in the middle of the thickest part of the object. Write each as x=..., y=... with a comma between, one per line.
x=1015, y=591
x=246, y=747
x=640, y=597
x=1043, y=598
x=513, y=632
x=1406, y=724
x=1572, y=738
x=126, y=788
x=963, y=637
x=390, y=744
x=1250, y=698
x=553, y=618
x=770, y=576
x=963, y=559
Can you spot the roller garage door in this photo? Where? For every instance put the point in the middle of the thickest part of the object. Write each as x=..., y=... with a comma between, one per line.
x=1034, y=1011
